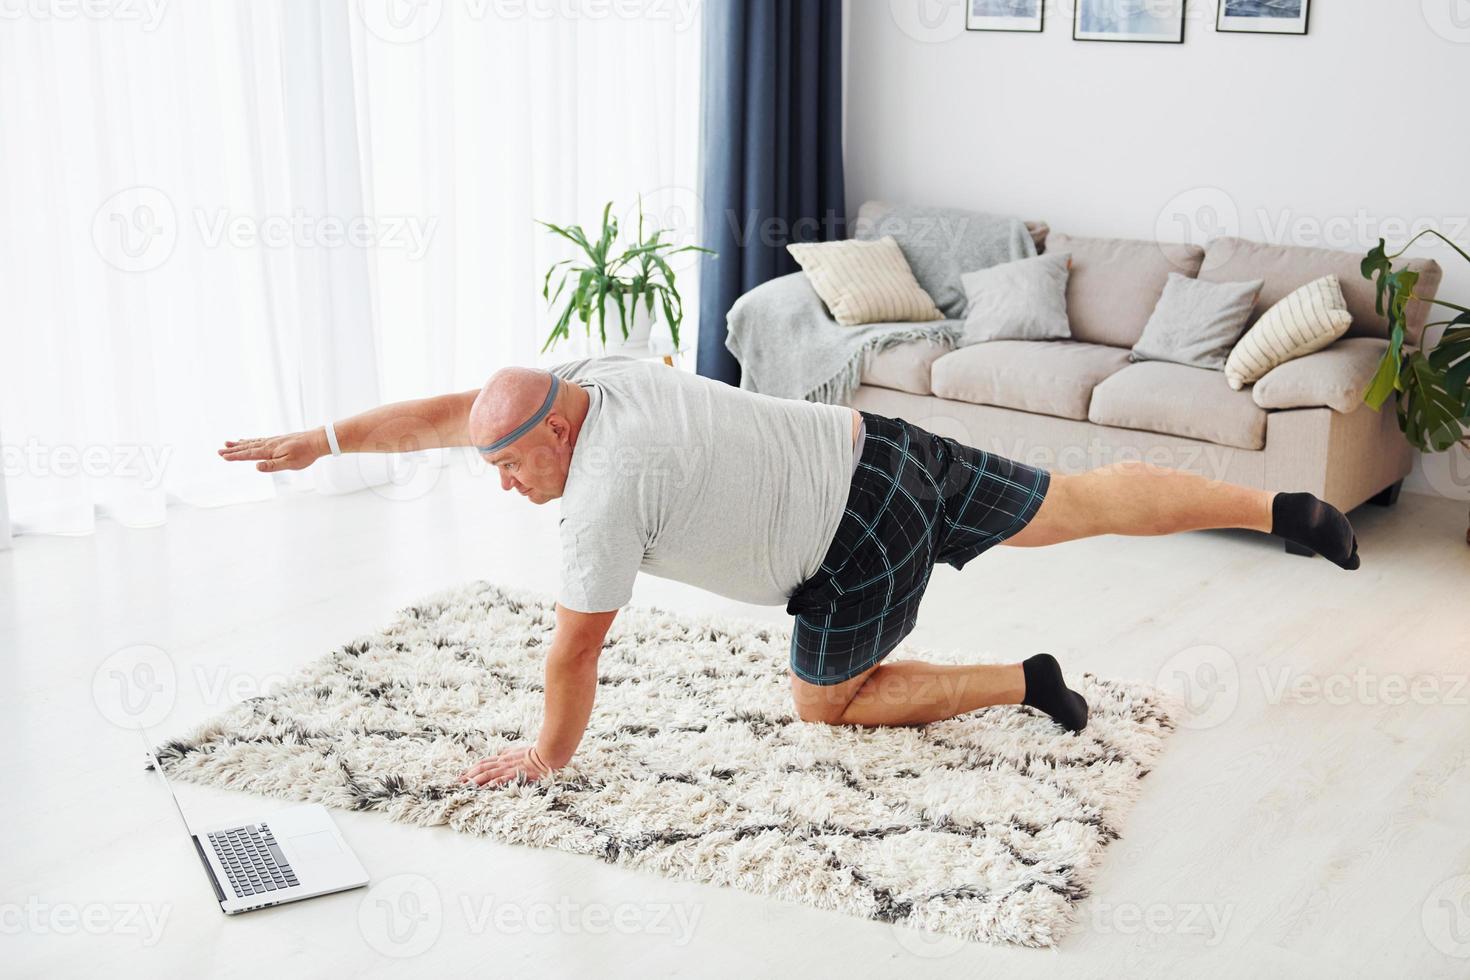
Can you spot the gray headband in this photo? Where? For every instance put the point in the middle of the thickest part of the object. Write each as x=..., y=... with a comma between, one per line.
x=525, y=426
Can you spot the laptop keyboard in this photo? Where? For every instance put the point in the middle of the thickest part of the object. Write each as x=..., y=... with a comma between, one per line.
x=253, y=860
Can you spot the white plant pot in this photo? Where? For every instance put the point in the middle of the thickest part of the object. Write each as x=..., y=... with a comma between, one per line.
x=640, y=326
x=648, y=335
x=644, y=332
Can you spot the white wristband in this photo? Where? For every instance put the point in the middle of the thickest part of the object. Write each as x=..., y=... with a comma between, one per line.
x=332, y=439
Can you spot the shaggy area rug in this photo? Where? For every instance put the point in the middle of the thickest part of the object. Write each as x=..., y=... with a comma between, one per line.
x=987, y=827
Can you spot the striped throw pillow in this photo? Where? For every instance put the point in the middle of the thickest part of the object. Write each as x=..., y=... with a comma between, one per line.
x=865, y=282
x=1304, y=322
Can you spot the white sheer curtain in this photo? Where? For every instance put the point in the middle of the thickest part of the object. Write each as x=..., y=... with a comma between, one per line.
x=234, y=218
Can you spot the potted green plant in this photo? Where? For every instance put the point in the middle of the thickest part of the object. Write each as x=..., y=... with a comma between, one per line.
x=635, y=278
x=1433, y=383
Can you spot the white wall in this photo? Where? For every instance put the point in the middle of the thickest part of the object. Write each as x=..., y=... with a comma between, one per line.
x=1275, y=138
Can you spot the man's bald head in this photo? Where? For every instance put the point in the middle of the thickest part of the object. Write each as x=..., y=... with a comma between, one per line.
x=511, y=396
x=536, y=463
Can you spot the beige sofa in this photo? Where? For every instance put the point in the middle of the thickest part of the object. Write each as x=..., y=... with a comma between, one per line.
x=1072, y=405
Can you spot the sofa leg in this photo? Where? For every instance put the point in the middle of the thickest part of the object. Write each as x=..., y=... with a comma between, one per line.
x=1388, y=496
x=1292, y=548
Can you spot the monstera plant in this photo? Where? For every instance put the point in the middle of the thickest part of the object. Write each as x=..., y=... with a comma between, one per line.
x=1433, y=383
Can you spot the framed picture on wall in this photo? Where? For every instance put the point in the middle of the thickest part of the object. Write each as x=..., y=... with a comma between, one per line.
x=1263, y=16
x=1156, y=21
x=1005, y=15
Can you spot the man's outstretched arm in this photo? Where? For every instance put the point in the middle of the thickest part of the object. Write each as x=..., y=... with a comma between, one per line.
x=571, y=687
x=425, y=423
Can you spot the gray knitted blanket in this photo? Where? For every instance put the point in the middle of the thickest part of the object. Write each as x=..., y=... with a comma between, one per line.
x=788, y=345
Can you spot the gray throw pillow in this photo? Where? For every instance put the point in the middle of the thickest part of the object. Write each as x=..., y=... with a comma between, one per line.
x=1025, y=300
x=942, y=244
x=1196, y=323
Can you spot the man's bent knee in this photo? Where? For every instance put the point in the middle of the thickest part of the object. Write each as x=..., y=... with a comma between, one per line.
x=820, y=714
x=824, y=704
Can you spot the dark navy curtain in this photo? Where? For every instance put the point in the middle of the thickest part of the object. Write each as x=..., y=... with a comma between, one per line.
x=771, y=150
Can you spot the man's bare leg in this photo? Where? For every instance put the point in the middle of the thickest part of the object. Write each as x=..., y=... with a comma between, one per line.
x=1140, y=499
x=911, y=692
x=908, y=692
x=1136, y=498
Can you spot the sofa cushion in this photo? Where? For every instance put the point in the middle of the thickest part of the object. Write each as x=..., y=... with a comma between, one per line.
x=904, y=367
x=1306, y=321
x=1196, y=323
x=942, y=244
x=1337, y=377
x=864, y=282
x=1021, y=300
x=1177, y=400
x=1047, y=377
x=1286, y=268
x=1117, y=282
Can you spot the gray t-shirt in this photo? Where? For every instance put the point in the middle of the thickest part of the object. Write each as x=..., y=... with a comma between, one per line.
x=694, y=480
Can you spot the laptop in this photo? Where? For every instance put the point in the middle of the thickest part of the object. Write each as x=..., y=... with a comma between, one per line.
x=293, y=854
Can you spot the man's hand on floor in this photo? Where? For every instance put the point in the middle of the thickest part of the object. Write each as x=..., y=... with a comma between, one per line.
x=504, y=767
x=296, y=451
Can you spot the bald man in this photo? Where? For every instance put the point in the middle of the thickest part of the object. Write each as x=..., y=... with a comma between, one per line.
x=837, y=514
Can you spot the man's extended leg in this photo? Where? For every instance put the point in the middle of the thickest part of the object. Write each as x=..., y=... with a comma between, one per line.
x=1141, y=499
x=911, y=692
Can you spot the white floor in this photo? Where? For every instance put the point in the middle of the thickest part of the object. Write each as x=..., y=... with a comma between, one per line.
x=1310, y=820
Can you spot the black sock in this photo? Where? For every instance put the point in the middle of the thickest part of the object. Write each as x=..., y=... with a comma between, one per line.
x=1046, y=691
x=1315, y=524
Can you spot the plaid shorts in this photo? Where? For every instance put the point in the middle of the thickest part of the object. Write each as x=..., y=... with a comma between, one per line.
x=916, y=499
